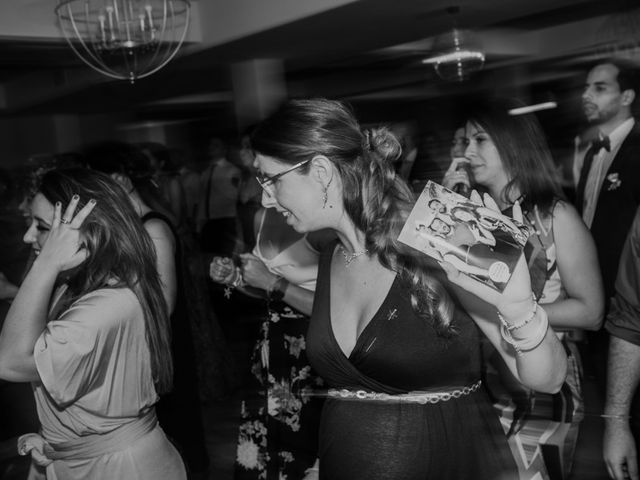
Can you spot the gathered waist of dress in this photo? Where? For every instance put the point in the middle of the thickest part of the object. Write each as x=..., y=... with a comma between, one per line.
x=420, y=397
x=96, y=445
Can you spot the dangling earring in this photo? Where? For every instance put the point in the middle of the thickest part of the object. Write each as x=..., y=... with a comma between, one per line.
x=325, y=197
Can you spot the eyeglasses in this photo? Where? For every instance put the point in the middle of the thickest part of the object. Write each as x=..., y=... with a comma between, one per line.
x=267, y=182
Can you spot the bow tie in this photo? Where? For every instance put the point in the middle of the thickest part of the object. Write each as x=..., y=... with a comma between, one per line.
x=599, y=143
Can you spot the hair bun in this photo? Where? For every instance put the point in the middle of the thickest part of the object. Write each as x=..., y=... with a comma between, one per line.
x=383, y=142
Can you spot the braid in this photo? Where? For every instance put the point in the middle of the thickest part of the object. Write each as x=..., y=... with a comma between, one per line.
x=386, y=203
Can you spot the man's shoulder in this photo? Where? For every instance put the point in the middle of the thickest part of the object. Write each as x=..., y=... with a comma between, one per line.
x=633, y=137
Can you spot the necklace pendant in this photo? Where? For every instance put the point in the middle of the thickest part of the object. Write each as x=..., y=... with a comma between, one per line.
x=350, y=257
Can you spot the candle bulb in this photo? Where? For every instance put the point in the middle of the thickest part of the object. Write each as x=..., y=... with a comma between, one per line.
x=110, y=14
x=103, y=34
x=148, y=9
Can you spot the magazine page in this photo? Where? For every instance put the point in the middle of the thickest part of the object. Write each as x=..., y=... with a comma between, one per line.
x=475, y=239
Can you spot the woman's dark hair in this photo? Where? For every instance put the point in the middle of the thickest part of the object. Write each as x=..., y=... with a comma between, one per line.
x=126, y=159
x=118, y=249
x=523, y=150
x=376, y=200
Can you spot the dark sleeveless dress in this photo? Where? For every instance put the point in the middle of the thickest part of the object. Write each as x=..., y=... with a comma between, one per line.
x=179, y=411
x=396, y=353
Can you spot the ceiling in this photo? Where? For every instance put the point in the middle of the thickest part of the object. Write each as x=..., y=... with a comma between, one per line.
x=367, y=50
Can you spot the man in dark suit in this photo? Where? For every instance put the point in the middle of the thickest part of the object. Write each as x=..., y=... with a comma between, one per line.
x=607, y=175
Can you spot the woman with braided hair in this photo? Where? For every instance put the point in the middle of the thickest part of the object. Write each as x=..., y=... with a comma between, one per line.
x=393, y=333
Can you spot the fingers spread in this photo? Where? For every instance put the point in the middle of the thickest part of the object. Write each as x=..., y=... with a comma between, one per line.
x=57, y=214
x=71, y=208
x=82, y=214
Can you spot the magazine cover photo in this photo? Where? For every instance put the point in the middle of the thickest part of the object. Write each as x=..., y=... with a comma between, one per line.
x=477, y=240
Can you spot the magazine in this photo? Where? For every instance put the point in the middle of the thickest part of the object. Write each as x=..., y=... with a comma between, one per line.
x=475, y=239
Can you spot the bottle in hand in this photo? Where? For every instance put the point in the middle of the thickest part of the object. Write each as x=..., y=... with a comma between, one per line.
x=463, y=188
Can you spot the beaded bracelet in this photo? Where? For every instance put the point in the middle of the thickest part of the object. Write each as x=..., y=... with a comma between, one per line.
x=513, y=326
x=527, y=344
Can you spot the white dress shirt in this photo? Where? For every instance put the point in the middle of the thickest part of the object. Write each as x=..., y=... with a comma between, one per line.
x=601, y=163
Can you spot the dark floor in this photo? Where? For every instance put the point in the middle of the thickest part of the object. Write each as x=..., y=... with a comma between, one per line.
x=222, y=418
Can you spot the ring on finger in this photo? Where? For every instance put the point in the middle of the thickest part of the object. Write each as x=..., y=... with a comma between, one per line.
x=65, y=221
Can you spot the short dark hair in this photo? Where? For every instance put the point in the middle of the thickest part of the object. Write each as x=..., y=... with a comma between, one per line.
x=627, y=77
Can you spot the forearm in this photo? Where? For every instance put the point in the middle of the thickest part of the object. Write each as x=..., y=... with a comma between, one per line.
x=544, y=368
x=299, y=298
x=24, y=323
x=623, y=376
x=574, y=313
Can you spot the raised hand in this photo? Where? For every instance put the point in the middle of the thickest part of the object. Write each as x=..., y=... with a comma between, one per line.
x=64, y=248
x=453, y=176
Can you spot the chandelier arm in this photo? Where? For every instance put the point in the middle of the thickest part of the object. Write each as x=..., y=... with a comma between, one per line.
x=98, y=66
x=168, y=47
x=175, y=51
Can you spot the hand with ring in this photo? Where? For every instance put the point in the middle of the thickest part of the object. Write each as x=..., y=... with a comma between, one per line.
x=64, y=248
x=455, y=175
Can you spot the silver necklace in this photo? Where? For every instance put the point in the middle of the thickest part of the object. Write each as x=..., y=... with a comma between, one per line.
x=350, y=257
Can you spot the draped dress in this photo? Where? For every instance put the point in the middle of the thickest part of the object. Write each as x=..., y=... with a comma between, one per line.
x=399, y=352
x=96, y=395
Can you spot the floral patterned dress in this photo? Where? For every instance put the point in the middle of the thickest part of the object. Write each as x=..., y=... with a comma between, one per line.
x=279, y=433
x=278, y=437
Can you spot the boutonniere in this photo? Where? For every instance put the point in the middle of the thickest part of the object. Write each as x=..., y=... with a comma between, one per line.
x=614, y=181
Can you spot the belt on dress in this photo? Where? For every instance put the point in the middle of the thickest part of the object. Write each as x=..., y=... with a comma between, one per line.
x=98, y=444
x=411, y=397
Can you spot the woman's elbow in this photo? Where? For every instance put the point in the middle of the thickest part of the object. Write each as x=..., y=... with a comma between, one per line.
x=7, y=370
x=555, y=385
x=594, y=316
x=554, y=381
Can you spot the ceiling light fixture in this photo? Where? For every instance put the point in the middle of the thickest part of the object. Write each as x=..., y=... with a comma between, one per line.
x=124, y=39
x=456, y=53
x=533, y=108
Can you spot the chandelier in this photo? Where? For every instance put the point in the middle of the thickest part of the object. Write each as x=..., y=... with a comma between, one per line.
x=124, y=39
x=456, y=53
